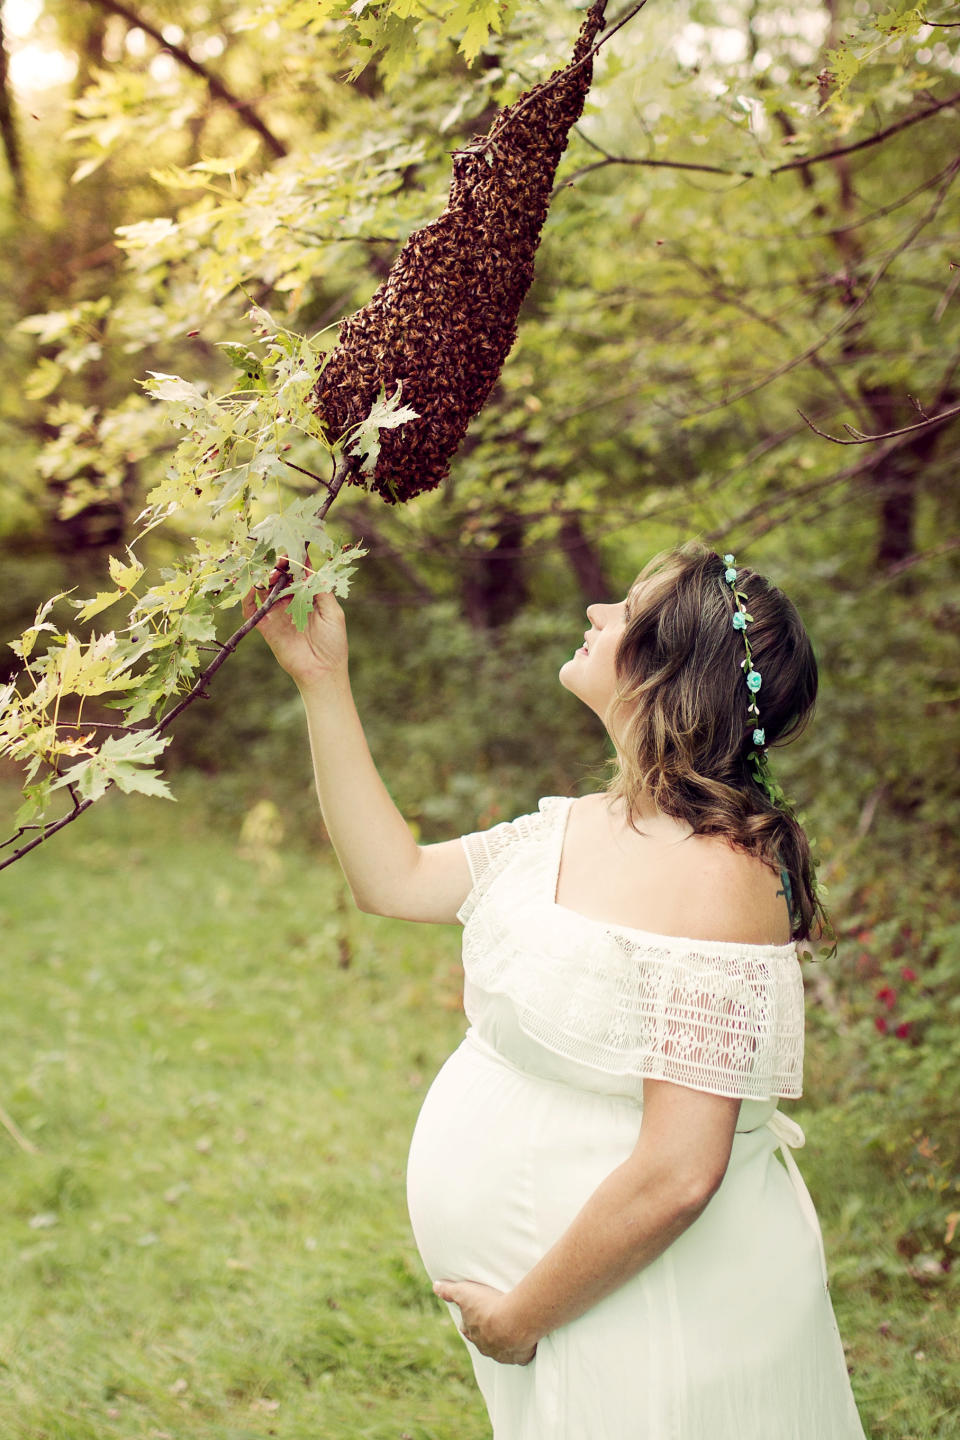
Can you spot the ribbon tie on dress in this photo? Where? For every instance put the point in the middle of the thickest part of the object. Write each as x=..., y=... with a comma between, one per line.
x=790, y=1137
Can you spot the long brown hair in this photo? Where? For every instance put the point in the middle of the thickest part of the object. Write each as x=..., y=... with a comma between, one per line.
x=684, y=735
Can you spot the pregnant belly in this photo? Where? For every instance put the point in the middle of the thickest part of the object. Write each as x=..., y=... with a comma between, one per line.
x=501, y=1161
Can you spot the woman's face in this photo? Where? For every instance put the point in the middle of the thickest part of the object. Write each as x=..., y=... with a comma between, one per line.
x=591, y=672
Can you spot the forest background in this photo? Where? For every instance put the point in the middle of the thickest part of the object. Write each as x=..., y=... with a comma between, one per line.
x=757, y=216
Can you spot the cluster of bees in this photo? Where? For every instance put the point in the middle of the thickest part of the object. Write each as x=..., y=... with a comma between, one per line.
x=445, y=318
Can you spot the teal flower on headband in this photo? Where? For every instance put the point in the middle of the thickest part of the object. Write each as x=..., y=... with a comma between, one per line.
x=739, y=621
x=753, y=681
x=729, y=574
x=728, y=559
x=759, y=737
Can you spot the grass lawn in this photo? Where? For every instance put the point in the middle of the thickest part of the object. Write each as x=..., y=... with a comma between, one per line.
x=219, y=1064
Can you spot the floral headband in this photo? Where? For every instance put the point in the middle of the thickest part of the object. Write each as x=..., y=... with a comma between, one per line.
x=759, y=762
x=758, y=757
x=741, y=619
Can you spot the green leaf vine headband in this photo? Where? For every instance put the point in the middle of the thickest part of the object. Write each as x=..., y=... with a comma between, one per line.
x=759, y=762
x=758, y=757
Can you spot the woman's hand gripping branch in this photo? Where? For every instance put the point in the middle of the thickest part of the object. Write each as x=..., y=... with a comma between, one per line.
x=311, y=656
x=387, y=871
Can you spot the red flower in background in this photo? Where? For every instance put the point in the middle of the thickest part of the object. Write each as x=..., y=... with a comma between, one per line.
x=907, y=974
x=887, y=996
x=880, y=1024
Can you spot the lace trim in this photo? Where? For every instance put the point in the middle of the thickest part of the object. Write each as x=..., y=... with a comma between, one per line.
x=489, y=851
x=715, y=1016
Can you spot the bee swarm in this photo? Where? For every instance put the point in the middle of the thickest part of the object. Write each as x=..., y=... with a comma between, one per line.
x=445, y=318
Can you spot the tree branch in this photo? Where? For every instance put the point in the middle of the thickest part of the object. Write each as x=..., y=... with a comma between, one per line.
x=860, y=438
x=799, y=162
x=847, y=320
x=786, y=503
x=224, y=651
x=563, y=74
x=215, y=85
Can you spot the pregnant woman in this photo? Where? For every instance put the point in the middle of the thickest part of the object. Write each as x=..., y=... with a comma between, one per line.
x=601, y=1184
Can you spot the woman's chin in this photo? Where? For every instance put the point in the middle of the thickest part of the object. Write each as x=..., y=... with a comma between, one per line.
x=565, y=674
x=572, y=679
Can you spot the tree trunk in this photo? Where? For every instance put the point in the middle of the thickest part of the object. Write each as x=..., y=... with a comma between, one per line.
x=494, y=587
x=8, y=127
x=584, y=560
x=896, y=480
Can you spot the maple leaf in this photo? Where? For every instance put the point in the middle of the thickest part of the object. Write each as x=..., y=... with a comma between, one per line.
x=291, y=530
x=385, y=414
x=125, y=761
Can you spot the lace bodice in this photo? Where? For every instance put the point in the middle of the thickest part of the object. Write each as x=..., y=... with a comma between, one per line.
x=604, y=1006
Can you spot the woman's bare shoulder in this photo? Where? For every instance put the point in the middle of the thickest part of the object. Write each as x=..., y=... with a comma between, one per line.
x=736, y=896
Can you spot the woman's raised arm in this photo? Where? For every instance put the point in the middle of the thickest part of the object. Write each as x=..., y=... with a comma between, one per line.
x=387, y=871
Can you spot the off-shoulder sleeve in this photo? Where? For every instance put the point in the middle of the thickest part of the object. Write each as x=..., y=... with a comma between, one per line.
x=709, y=1015
x=715, y=1020
x=489, y=851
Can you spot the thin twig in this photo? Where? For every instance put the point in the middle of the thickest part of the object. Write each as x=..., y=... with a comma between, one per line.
x=46, y=833
x=860, y=438
x=843, y=324
x=16, y=1134
x=947, y=296
x=12, y=839
x=309, y=473
x=563, y=74
x=799, y=162
x=243, y=110
x=788, y=500
x=834, y=230
x=920, y=558
x=100, y=724
x=343, y=469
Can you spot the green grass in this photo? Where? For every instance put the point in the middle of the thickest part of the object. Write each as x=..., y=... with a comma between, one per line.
x=220, y=1064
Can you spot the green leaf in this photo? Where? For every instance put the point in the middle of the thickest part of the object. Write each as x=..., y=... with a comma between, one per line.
x=385, y=414
x=43, y=379
x=303, y=591
x=36, y=800
x=25, y=644
x=293, y=529
x=244, y=359
x=331, y=576
x=103, y=599
x=125, y=761
x=185, y=400
x=228, y=164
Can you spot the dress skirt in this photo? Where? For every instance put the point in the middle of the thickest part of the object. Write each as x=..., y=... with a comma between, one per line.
x=729, y=1335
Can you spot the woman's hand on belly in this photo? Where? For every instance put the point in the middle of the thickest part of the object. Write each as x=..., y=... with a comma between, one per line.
x=486, y=1322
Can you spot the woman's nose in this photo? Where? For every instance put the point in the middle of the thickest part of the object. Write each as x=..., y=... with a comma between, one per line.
x=598, y=613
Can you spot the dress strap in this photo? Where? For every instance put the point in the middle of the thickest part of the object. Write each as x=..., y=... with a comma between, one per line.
x=790, y=1137
x=562, y=813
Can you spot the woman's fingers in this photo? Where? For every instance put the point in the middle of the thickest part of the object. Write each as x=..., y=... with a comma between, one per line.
x=257, y=594
x=282, y=567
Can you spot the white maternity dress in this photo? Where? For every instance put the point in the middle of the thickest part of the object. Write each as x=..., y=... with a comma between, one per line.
x=730, y=1334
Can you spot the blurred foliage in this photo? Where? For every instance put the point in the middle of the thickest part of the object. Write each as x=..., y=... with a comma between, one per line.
x=757, y=214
